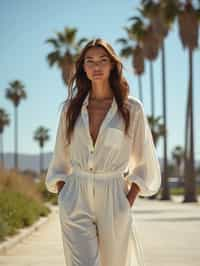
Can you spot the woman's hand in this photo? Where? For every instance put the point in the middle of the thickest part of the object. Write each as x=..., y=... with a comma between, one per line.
x=132, y=194
x=60, y=184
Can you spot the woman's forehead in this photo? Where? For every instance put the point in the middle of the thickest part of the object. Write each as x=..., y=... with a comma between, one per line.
x=95, y=52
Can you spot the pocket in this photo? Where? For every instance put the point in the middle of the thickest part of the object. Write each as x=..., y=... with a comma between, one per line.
x=124, y=189
x=113, y=138
x=126, y=199
x=61, y=191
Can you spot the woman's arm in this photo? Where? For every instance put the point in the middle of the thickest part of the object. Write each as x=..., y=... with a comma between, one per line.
x=59, y=166
x=144, y=164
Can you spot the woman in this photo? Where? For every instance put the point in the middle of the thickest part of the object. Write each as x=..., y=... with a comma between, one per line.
x=103, y=133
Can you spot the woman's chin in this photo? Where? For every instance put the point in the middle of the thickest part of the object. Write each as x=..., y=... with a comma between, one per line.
x=96, y=79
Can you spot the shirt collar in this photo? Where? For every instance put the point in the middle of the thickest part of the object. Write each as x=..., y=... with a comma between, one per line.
x=84, y=113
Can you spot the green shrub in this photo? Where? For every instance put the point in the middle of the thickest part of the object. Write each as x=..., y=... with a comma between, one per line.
x=4, y=229
x=180, y=191
x=46, y=195
x=18, y=211
x=15, y=180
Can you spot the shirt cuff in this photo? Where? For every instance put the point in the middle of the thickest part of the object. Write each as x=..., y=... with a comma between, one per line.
x=51, y=183
x=145, y=190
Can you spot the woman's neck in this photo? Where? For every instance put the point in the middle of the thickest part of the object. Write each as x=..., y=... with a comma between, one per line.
x=96, y=95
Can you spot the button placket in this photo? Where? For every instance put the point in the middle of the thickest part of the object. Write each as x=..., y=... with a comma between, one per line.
x=91, y=166
x=91, y=159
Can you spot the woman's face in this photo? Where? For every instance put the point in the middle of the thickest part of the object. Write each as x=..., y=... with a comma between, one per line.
x=97, y=64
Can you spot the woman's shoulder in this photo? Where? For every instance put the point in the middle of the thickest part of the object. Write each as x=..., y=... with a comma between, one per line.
x=135, y=103
x=65, y=106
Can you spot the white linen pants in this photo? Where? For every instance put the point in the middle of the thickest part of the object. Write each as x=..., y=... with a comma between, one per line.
x=96, y=223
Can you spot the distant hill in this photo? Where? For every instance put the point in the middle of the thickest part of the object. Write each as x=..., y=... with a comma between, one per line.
x=27, y=161
x=31, y=161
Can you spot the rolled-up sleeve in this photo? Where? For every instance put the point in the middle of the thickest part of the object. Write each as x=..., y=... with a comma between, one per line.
x=144, y=164
x=59, y=166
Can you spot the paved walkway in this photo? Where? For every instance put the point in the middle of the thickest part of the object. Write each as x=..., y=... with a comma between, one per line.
x=169, y=232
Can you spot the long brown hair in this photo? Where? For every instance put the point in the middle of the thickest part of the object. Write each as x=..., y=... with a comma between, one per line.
x=77, y=93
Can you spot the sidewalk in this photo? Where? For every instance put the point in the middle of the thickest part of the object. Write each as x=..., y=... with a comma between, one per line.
x=41, y=248
x=169, y=233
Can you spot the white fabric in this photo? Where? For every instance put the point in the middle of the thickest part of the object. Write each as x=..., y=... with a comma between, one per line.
x=97, y=226
x=113, y=150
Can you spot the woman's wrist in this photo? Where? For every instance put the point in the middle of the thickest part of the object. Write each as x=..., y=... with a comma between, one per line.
x=134, y=190
x=59, y=185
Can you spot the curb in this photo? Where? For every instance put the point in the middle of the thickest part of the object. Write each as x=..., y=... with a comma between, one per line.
x=23, y=233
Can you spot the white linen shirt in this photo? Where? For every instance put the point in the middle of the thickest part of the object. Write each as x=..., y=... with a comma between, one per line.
x=113, y=150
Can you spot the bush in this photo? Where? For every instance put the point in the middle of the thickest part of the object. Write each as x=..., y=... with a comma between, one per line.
x=4, y=228
x=18, y=211
x=46, y=195
x=15, y=180
x=180, y=191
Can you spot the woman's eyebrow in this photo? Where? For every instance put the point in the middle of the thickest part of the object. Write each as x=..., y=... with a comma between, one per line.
x=99, y=56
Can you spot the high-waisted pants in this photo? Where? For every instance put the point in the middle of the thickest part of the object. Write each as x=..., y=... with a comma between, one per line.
x=96, y=222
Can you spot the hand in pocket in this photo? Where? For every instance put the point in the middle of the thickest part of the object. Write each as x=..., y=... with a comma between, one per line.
x=60, y=185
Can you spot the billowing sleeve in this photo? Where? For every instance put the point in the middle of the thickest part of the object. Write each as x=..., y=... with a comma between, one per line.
x=144, y=165
x=59, y=166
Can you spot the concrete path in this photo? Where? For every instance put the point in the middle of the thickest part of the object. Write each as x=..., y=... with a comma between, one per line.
x=169, y=233
x=41, y=248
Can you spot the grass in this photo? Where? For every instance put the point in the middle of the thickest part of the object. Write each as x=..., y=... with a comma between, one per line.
x=18, y=211
x=21, y=202
x=180, y=191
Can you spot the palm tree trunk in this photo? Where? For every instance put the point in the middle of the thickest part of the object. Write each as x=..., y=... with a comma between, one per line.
x=190, y=194
x=1, y=151
x=152, y=89
x=140, y=88
x=16, y=139
x=165, y=191
x=40, y=160
x=152, y=104
x=186, y=168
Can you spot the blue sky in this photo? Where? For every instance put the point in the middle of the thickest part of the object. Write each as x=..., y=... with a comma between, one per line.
x=24, y=27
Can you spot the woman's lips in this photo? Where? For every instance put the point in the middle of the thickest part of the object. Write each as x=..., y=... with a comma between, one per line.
x=98, y=74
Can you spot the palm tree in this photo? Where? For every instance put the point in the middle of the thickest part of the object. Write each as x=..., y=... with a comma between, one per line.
x=188, y=31
x=137, y=61
x=66, y=50
x=161, y=15
x=157, y=128
x=178, y=156
x=152, y=45
x=15, y=93
x=41, y=135
x=4, y=121
x=147, y=47
x=132, y=47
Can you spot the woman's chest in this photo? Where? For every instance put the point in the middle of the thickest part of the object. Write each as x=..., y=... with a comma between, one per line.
x=97, y=133
x=96, y=116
